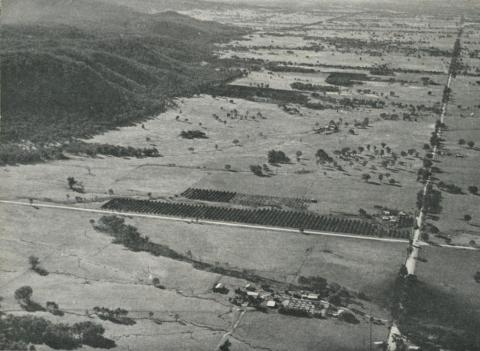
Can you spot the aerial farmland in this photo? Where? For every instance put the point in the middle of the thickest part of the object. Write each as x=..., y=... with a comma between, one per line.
x=309, y=182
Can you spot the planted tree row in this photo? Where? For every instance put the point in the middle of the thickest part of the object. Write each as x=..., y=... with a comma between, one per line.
x=208, y=195
x=266, y=217
x=245, y=199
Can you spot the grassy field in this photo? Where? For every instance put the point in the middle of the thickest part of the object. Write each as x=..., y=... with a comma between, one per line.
x=86, y=270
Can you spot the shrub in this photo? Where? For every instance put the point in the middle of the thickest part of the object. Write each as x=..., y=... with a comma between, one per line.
x=193, y=134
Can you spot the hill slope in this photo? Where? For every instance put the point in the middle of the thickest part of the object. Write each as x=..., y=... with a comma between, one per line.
x=75, y=68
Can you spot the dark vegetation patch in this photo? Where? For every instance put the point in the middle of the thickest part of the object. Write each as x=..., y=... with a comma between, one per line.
x=117, y=316
x=17, y=332
x=77, y=75
x=193, y=134
x=14, y=153
x=314, y=87
x=346, y=78
x=277, y=156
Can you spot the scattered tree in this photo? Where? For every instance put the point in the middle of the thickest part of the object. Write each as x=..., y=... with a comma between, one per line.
x=24, y=294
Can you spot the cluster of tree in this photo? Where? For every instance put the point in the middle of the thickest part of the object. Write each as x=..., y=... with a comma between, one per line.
x=53, y=308
x=75, y=185
x=18, y=332
x=323, y=157
x=314, y=283
x=118, y=315
x=23, y=296
x=274, y=67
x=94, y=149
x=473, y=189
x=193, y=134
x=346, y=78
x=12, y=153
x=35, y=266
x=470, y=143
x=275, y=157
x=382, y=70
x=449, y=187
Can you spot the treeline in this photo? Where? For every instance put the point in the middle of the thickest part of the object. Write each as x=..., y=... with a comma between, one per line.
x=12, y=153
x=253, y=93
x=346, y=78
x=314, y=87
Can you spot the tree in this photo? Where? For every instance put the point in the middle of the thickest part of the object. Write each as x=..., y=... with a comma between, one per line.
x=392, y=181
x=322, y=156
x=427, y=163
x=225, y=346
x=473, y=189
x=71, y=182
x=380, y=177
x=366, y=177
x=34, y=262
x=471, y=144
x=467, y=218
x=24, y=294
x=257, y=170
x=75, y=185
x=299, y=154
x=279, y=156
x=461, y=142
